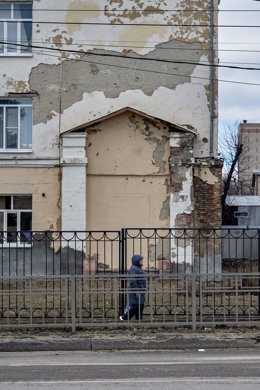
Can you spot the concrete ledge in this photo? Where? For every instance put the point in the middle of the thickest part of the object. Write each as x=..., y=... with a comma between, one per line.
x=110, y=344
x=173, y=344
x=32, y=345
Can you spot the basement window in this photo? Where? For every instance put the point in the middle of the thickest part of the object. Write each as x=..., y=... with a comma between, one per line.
x=15, y=218
x=15, y=28
x=15, y=125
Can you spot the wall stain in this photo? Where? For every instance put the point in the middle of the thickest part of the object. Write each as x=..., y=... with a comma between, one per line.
x=158, y=152
x=137, y=11
x=93, y=130
x=134, y=121
x=94, y=69
x=20, y=86
x=185, y=18
x=74, y=14
x=165, y=210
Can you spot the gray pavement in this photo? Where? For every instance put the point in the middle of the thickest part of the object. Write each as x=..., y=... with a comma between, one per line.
x=162, y=384
x=98, y=339
x=105, y=370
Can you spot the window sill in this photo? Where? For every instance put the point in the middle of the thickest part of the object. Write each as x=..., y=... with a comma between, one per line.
x=15, y=151
x=16, y=55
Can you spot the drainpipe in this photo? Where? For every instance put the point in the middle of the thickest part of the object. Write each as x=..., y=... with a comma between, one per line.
x=212, y=81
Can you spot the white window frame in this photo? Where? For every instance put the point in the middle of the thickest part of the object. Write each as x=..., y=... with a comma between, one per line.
x=18, y=149
x=18, y=51
x=18, y=243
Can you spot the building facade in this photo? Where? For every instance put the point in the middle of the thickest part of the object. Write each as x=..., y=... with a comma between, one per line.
x=250, y=160
x=108, y=115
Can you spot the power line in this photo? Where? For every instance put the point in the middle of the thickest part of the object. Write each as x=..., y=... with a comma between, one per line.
x=240, y=63
x=151, y=47
x=116, y=24
x=146, y=47
x=145, y=10
x=127, y=57
x=202, y=62
x=149, y=70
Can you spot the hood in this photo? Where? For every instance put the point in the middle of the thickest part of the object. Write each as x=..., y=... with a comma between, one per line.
x=136, y=260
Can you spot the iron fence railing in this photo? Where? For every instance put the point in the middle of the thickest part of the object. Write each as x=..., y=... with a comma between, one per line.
x=96, y=252
x=80, y=301
x=59, y=253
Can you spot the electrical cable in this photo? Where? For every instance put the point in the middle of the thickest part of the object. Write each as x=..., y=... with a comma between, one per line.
x=148, y=10
x=147, y=47
x=127, y=57
x=116, y=24
x=150, y=71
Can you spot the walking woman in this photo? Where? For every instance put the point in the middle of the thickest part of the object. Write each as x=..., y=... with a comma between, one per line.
x=137, y=287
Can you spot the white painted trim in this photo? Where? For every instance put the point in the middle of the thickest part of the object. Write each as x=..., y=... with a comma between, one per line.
x=15, y=151
x=74, y=183
x=28, y=163
x=18, y=55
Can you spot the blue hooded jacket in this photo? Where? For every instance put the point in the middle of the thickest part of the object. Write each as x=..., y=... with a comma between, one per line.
x=138, y=284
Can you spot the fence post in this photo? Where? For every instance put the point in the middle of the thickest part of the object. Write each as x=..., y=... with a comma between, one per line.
x=73, y=302
x=258, y=270
x=193, y=297
x=122, y=271
x=122, y=252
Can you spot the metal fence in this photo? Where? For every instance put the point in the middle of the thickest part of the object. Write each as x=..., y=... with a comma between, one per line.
x=85, y=301
x=59, y=253
x=164, y=250
x=79, y=279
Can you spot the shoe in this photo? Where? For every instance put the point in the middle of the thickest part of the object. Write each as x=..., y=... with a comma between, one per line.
x=121, y=318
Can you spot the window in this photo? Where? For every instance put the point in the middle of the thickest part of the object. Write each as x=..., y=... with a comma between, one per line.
x=15, y=28
x=15, y=124
x=15, y=217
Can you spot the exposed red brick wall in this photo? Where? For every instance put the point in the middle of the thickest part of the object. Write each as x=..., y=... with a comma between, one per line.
x=184, y=221
x=207, y=199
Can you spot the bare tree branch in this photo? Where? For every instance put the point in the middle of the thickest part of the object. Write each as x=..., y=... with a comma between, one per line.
x=232, y=149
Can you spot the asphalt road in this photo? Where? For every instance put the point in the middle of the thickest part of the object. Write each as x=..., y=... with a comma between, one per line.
x=178, y=370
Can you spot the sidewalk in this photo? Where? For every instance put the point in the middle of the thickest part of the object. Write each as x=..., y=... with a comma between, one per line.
x=129, y=339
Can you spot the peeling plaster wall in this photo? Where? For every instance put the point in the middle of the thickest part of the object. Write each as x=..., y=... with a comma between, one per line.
x=128, y=179
x=119, y=74
x=96, y=73
x=89, y=75
x=181, y=201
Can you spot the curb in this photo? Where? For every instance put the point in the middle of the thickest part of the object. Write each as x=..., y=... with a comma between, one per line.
x=86, y=344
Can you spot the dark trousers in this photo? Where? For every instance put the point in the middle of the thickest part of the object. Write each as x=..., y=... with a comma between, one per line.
x=135, y=310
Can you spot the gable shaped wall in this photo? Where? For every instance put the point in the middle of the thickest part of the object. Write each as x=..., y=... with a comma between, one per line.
x=127, y=173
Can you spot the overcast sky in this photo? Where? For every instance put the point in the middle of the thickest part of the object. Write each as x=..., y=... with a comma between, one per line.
x=237, y=101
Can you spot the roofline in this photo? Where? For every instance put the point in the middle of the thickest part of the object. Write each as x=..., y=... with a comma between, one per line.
x=125, y=109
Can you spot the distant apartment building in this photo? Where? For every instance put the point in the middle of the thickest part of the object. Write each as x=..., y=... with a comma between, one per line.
x=256, y=181
x=250, y=159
